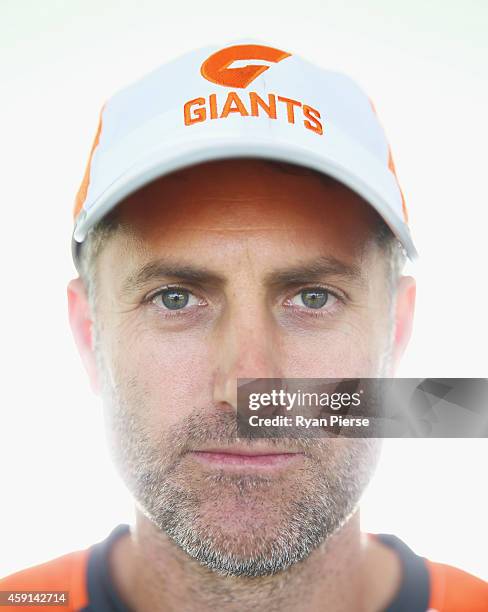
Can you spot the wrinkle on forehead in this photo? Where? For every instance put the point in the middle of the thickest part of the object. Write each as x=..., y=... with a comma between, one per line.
x=256, y=215
x=261, y=202
x=239, y=229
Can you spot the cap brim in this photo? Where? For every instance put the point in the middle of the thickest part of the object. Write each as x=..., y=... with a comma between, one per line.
x=368, y=178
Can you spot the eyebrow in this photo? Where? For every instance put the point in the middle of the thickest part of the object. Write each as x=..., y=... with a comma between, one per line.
x=315, y=270
x=322, y=267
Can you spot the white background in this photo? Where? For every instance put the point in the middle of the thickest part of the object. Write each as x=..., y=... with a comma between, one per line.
x=424, y=65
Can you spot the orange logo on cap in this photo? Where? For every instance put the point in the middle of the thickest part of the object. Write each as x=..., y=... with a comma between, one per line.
x=246, y=104
x=216, y=67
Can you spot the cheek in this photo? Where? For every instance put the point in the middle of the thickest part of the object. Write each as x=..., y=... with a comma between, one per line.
x=165, y=375
x=352, y=351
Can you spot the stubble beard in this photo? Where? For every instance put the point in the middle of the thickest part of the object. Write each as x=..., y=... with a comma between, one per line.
x=235, y=524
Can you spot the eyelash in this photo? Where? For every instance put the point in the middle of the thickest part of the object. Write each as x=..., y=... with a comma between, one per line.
x=342, y=299
x=319, y=312
x=168, y=312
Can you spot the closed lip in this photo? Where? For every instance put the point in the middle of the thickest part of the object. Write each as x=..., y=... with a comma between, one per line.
x=247, y=451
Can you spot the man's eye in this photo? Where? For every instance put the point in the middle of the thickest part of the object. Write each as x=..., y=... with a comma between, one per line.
x=314, y=298
x=174, y=298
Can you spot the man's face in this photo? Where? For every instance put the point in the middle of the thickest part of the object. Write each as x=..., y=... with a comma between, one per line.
x=237, y=269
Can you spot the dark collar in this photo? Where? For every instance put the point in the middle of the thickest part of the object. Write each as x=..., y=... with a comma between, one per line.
x=413, y=595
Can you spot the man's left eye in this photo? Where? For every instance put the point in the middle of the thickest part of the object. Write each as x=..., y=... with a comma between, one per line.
x=314, y=298
x=174, y=298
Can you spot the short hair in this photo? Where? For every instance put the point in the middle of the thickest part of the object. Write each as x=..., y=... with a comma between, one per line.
x=89, y=250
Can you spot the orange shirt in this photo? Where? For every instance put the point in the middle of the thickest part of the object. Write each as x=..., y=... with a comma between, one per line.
x=426, y=586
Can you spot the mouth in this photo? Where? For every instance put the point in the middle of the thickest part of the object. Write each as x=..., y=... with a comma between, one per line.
x=238, y=457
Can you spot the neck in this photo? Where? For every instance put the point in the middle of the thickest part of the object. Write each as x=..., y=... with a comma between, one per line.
x=152, y=574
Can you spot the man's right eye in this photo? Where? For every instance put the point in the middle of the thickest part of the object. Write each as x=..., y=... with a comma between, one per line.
x=174, y=298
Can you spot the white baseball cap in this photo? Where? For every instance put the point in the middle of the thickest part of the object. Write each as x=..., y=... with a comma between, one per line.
x=240, y=100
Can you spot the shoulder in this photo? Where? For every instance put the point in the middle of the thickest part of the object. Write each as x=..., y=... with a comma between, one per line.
x=64, y=573
x=452, y=589
x=83, y=573
x=433, y=586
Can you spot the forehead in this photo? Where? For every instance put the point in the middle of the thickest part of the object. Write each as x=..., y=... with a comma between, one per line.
x=252, y=200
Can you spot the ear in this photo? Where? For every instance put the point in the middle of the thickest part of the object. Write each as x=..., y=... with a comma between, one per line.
x=82, y=327
x=404, y=311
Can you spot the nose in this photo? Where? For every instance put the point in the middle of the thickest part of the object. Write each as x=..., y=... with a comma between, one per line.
x=246, y=345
